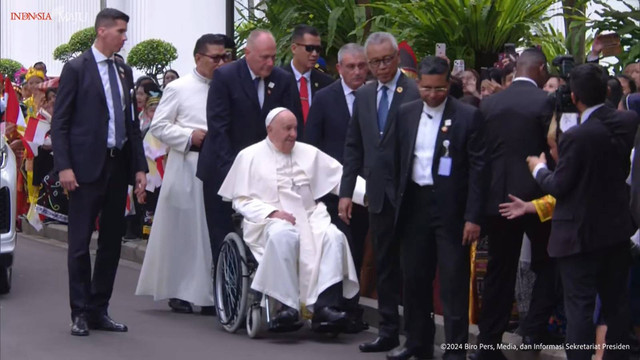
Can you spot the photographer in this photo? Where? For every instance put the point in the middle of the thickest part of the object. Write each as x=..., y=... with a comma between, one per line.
x=589, y=236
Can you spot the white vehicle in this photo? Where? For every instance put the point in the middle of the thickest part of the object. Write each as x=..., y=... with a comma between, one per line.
x=8, y=195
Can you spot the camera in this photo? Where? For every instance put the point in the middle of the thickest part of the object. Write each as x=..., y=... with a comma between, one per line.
x=564, y=104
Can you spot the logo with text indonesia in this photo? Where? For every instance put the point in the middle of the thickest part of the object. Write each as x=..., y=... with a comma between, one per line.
x=58, y=14
x=30, y=16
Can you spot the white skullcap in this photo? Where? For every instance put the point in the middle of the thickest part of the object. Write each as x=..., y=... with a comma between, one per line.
x=272, y=115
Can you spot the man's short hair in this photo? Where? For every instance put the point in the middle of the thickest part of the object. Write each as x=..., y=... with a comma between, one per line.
x=614, y=90
x=300, y=30
x=531, y=58
x=350, y=48
x=433, y=65
x=108, y=16
x=212, y=39
x=381, y=37
x=589, y=84
x=255, y=34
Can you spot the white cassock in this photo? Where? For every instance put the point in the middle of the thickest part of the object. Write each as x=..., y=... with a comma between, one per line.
x=296, y=262
x=177, y=263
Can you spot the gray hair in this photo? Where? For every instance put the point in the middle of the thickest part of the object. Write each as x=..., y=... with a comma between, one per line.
x=350, y=48
x=380, y=37
x=255, y=34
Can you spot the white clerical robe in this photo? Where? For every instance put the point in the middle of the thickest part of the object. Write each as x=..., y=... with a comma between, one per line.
x=177, y=263
x=263, y=180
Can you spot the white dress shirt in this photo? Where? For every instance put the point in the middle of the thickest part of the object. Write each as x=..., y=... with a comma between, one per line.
x=307, y=76
x=524, y=78
x=583, y=119
x=391, y=88
x=104, y=76
x=424, y=150
x=260, y=86
x=349, y=95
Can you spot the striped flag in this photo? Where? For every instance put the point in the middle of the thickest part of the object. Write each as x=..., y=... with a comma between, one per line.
x=13, y=113
x=36, y=131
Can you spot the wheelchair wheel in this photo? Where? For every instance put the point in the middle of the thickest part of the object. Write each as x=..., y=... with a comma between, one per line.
x=232, y=283
x=254, y=320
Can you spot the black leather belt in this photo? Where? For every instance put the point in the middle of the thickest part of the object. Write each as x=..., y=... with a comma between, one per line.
x=194, y=148
x=113, y=152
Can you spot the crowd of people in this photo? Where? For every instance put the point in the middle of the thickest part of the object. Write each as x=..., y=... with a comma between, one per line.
x=422, y=160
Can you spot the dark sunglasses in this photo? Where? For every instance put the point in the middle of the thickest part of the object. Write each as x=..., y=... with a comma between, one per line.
x=311, y=48
x=217, y=58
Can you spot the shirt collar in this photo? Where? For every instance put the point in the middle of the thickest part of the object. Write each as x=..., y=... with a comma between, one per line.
x=391, y=84
x=201, y=78
x=588, y=111
x=347, y=90
x=98, y=55
x=524, y=78
x=253, y=76
x=436, y=110
x=298, y=74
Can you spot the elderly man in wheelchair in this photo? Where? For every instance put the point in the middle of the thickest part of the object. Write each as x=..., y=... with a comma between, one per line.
x=303, y=258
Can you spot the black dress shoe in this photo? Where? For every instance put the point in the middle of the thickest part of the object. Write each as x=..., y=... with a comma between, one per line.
x=404, y=353
x=104, y=322
x=286, y=316
x=180, y=306
x=380, y=344
x=329, y=315
x=208, y=311
x=80, y=326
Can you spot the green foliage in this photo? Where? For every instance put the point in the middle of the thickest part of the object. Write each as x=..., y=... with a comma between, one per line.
x=338, y=21
x=551, y=42
x=79, y=42
x=624, y=23
x=152, y=56
x=474, y=30
x=9, y=67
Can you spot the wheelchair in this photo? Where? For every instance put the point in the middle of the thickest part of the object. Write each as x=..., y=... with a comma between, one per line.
x=236, y=302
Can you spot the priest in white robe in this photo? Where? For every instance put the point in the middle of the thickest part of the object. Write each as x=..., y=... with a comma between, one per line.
x=303, y=258
x=177, y=263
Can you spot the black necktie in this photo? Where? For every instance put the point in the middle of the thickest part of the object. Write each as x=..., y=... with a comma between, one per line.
x=118, y=113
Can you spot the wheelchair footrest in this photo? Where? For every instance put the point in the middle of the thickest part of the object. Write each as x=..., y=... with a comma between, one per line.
x=281, y=328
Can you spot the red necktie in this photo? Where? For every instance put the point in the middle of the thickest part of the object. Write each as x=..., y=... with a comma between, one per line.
x=304, y=98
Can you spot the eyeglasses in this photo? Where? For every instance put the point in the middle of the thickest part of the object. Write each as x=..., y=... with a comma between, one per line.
x=227, y=56
x=311, y=48
x=438, y=90
x=384, y=61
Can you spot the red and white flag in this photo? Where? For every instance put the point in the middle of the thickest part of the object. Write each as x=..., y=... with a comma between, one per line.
x=13, y=113
x=35, y=133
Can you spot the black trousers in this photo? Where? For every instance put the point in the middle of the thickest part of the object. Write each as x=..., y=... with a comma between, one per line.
x=603, y=272
x=505, y=241
x=356, y=232
x=386, y=248
x=107, y=196
x=429, y=240
x=218, y=215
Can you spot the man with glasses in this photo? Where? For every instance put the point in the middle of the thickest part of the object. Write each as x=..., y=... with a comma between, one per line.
x=180, y=122
x=441, y=162
x=369, y=149
x=306, y=48
x=326, y=129
x=240, y=97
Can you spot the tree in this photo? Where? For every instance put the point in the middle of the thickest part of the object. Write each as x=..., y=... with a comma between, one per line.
x=8, y=67
x=474, y=30
x=78, y=43
x=152, y=57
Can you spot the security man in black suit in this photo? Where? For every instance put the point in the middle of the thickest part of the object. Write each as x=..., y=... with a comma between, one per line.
x=441, y=161
x=241, y=95
x=326, y=129
x=369, y=150
x=97, y=150
x=591, y=224
x=306, y=47
x=517, y=121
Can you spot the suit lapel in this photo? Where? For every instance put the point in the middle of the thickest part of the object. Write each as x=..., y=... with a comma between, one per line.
x=339, y=94
x=92, y=68
x=444, y=133
x=315, y=86
x=395, y=105
x=246, y=83
x=413, y=123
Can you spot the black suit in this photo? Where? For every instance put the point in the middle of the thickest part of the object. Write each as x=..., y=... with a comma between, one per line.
x=591, y=224
x=326, y=129
x=633, y=102
x=235, y=120
x=517, y=121
x=431, y=220
x=79, y=137
x=369, y=154
x=319, y=81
